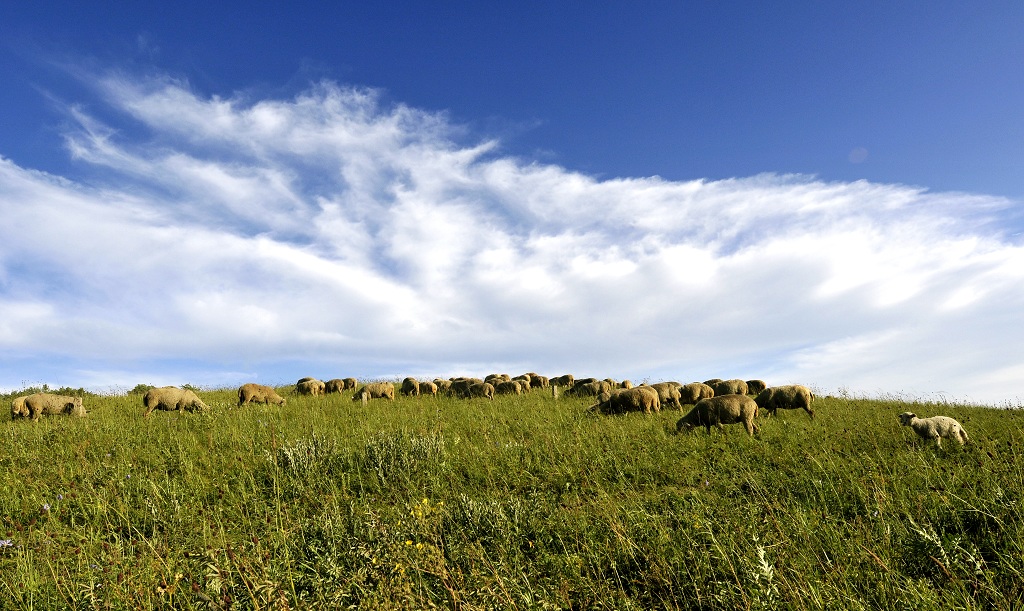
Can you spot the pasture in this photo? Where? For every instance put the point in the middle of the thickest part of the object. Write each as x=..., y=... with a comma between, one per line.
x=517, y=503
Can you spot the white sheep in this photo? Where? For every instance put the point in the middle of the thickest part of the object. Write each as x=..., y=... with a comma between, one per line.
x=935, y=427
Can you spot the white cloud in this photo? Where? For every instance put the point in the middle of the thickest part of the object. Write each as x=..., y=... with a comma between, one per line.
x=330, y=231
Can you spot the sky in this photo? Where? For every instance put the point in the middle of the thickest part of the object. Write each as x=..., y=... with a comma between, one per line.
x=218, y=193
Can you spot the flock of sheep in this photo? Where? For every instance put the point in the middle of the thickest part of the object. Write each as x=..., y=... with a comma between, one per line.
x=715, y=402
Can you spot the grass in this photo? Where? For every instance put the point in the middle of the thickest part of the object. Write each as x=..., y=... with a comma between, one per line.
x=523, y=502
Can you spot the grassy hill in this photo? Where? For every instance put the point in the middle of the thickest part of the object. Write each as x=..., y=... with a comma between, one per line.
x=524, y=502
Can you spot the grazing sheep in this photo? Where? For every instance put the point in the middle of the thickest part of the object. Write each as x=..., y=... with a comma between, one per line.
x=935, y=427
x=258, y=393
x=730, y=387
x=428, y=388
x=625, y=384
x=525, y=377
x=690, y=394
x=668, y=393
x=497, y=378
x=793, y=396
x=638, y=399
x=584, y=381
x=719, y=410
x=482, y=389
x=538, y=381
x=375, y=390
x=171, y=398
x=512, y=387
x=755, y=387
x=44, y=403
x=443, y=386
x=350, y=383
x=564, y=381
x=410, y=387
x=310, y=386
x=713, y=381
x=589, y=389
x=459, y=387
x=335, y=385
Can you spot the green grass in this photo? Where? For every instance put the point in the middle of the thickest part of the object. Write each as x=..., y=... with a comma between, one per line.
x=526, y=503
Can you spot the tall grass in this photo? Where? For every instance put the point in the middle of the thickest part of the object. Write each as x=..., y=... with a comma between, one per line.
x=523, y=502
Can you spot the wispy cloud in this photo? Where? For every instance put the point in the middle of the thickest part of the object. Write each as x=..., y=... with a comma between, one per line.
x=329, y=231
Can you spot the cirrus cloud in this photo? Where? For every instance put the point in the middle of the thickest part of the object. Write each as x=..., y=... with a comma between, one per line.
x=230, y=239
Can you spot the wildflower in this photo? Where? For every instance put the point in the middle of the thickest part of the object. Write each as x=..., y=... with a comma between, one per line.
x=46, y=507
x=60, y=497
x=6, y=542
x=408, y=542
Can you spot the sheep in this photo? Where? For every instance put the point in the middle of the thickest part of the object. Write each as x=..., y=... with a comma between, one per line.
x=171, y=398
x=428, y=388
x=793, y=396
x=538, y=381
x=258, y=393
x=935, y=427
x=350, y=383
x=44, y=403
x=410, y=387
x=497, y=378
x=730, y=387
x=310, y=386
x=512, y=387
x=589, y=389
x=482, y=389
x=564, y=381
x=459, y=387
x=638, y=399
x=719, y=410
x=668, y=393
x=443, y=386
x=754, y=387
x=690, y=394
x=713, y=381
x=335, y=385
x=626, y=384
x=375, y=390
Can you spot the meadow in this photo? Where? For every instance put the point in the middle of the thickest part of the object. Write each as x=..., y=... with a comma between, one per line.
x=518, y=503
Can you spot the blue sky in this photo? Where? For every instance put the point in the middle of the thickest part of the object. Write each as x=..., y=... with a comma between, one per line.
x=217, y=193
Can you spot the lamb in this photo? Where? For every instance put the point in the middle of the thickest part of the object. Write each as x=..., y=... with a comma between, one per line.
x=375, y=390
x=258, y=393
x=719, y=410
x=171, y=398
x=44, y=403
x=638, y=399
x=793, y=396
x=935, y=427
